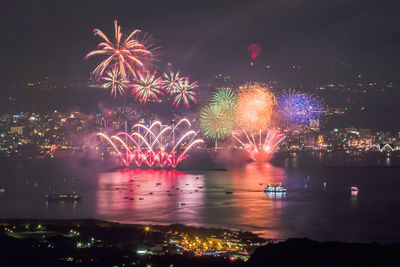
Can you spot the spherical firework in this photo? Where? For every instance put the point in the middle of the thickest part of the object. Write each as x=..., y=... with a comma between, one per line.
x=146, y=87
x=171, y=82
x=185, y=92
x=298, y=110
x=226, y=98
x=115, y=82
x=255, y=107
x=130, y=55
x=215, y=122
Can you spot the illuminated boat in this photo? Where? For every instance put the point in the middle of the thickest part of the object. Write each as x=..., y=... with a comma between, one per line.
x=64, y=197
x=275, y=188
x=354, y=189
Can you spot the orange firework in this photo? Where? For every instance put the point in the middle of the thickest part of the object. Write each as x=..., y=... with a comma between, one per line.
x=255, y=107
x=129, y=54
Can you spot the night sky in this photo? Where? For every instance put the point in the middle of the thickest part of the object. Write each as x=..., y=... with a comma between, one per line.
x=328, y=39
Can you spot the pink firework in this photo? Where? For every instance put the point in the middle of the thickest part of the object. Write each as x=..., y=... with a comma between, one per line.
x=185, y=92
x=154, y=146
x=258, y=149
x=147, y=87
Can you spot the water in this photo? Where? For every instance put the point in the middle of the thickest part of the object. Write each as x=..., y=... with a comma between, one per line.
x=308, y=209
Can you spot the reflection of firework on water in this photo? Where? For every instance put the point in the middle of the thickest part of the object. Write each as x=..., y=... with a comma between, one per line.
x=299, y=109
x=215, y=122
x=171, y=82
x=255, y=107
x=225, y=98
x=154, y=146
x=146, y=87
x=129, y=54
x=258, y=149
x=115, y=82
x=184, y=92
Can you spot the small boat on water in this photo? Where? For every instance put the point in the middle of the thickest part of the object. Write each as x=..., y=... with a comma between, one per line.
x=157, y=184
x=64, y=197
x=182, y=204
x=141, y=198
x=228, y=192
x=275, y=188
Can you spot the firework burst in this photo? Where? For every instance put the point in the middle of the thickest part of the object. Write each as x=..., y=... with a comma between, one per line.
x=255, y=107
x=114, y=81
x=171, y=82
x=298, y=110
x=215, y=123
x=258, y=148
x=226, y=98
x=185, y=93
x=146, y=87
x=152, y=146
x=130, y=55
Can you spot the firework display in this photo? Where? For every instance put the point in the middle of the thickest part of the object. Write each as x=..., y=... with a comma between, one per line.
x=226, y=98
x=258, y=148
x=147, y=87
x=217, y=120
x=171, y=82
x=298, y=110
x=184, y=93
x=255, y=107
x=129, y=54
x=214, y=124
x=154, y=146
x=114, y=81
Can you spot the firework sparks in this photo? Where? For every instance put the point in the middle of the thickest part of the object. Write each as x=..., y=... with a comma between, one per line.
x=114, y=81
x=226, y=98
x=185, y=93
x=146, y=87
x=171, y=82
x=214, y=122
x=130, y=55
x=255, y=107
x=298, y=110
x=258, y=149
x=153, y=148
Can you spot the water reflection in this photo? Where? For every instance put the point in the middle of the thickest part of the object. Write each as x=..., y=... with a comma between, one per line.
x=252, y=205
x=150, y=196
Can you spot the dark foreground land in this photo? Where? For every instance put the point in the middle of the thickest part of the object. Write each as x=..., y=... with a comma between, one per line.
x=99, y=243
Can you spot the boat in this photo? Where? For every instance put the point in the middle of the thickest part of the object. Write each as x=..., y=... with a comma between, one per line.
x=64, y=197
x=228, y=192
x=354, y=189
x=182, y=204
x=275, y=188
